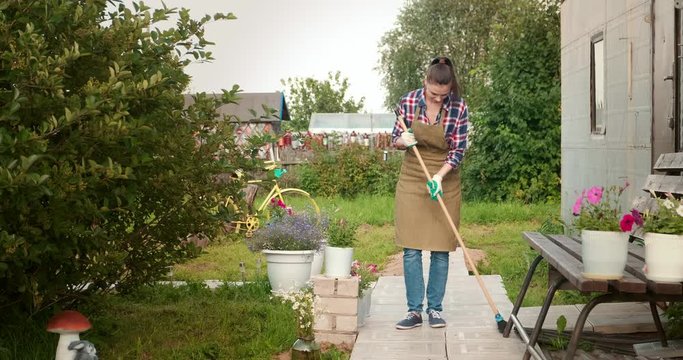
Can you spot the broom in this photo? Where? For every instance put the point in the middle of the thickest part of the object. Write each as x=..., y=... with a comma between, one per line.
x=500, y=322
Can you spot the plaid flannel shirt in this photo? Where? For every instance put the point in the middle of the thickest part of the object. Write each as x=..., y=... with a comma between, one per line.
x=455, y=123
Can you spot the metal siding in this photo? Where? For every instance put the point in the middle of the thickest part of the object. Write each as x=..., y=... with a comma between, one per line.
x=623, y=153
x=663, y=135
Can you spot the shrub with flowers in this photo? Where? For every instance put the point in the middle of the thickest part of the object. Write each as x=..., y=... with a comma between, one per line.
x=298, y=231
x=366, y=273
x=598, y=209
x=303, y=304
x=667, y=219
x=277, y=208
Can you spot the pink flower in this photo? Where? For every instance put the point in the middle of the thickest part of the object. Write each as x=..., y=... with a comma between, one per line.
x=626, y=223
x=637, y=217
x=372, y=268
x=594, y=195
x=576, y=209
x=281, y=203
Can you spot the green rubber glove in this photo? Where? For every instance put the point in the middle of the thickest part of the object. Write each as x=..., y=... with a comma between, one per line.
x=434, y=186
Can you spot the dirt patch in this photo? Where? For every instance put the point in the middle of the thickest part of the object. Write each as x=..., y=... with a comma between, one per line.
x=394, y=266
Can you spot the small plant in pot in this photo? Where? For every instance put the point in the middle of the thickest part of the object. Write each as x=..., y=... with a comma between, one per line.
x=663, y=240
x=341, y=236
x=289, y=243
x=604, y=231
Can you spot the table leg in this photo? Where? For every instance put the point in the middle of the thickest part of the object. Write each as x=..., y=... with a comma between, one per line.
x=658, y=323
x=522, y=293
x=552, y=288
x=581, y=321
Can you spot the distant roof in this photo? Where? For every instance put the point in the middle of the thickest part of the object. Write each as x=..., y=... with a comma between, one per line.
x=253, y=101
x=341, y=122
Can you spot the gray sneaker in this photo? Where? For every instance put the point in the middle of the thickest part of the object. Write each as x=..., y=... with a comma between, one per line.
x=412, y=320
x=435, y=319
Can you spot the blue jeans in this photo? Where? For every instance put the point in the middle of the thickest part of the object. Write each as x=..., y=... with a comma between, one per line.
x=415, y=286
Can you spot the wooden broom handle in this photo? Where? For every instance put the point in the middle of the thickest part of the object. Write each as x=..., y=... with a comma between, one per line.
x=452, y=224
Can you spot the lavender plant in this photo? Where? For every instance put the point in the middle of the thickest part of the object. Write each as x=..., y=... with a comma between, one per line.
x=299, y=231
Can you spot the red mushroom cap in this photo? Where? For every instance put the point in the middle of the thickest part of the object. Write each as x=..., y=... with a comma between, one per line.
x=68, y=321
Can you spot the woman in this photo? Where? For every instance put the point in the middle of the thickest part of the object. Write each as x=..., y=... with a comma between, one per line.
x=437, y=119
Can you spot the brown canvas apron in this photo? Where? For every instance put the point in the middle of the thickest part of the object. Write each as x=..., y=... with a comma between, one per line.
x=420, y=221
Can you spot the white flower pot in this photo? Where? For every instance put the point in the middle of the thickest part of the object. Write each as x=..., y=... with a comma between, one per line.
x=604, y=254
x=317, y=265
x=664, y=257
x=288, y=270
x=364, y=303
x=338, y=261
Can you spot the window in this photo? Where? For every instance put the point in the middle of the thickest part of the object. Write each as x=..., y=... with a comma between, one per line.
x=597, y=101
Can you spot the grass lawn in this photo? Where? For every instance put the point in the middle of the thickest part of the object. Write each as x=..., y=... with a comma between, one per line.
x=193, y=322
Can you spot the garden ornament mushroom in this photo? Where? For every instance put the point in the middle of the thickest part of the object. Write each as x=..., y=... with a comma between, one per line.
x=68, y=324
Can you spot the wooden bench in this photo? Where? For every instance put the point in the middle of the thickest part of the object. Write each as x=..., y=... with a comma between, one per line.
x=563, y=255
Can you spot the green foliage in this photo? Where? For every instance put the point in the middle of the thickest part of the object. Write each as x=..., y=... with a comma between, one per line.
x=674, y=323
x=457, y=29
x=341, y=234
x=350, y=171
x=668, y=219
x=560, y=342
x=309, y=95
x=102, y=169
x=515, y=142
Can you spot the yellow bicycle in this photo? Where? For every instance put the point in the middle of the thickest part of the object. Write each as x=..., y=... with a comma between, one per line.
x=292, y=198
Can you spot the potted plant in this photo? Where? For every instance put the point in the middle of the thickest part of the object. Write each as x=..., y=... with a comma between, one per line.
x=341, y=235
x=367, y=277
x=663, y=240
x=604, y=231
x=289, y=242
x=303, y=304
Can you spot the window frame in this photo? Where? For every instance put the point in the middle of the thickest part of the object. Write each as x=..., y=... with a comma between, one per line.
x=597, y=129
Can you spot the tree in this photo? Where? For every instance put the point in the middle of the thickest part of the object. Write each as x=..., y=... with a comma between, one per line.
x=309, y=95
x=515, y=145
x=430, y=28
x=103, y=171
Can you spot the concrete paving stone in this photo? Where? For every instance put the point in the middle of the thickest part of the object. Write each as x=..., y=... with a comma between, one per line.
x=485, y=332
x=528, y=315
x=387, y=333
x=400, y=350
x=621, y=318
x=491, y=347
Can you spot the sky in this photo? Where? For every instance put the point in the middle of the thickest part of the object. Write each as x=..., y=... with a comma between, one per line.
x=276, y=39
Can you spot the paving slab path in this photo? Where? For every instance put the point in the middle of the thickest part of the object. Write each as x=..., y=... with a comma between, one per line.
x=471, y=332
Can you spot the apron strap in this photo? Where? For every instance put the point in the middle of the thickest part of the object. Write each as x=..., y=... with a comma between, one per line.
x=418, y=110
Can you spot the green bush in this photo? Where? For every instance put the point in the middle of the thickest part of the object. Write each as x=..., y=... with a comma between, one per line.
x=515, y=142
x=349, y=171
x=103, y=171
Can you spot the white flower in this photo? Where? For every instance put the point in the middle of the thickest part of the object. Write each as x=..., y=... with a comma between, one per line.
x=679, y=210
x=668, y=204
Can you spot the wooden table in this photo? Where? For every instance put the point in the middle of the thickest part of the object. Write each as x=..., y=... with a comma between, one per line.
x=563, y=255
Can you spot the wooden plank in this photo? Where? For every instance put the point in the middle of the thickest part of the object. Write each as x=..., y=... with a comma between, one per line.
x=628, y=283
x=662, y=184
x=569, y=266
x=669, y=162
